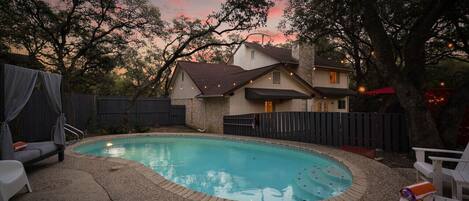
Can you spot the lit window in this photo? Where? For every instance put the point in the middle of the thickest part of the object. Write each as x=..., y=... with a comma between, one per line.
x=182, y=76
x=334, y=77
x=276, y=77
x=268, y=106
x=252, y=54
x=341, y=104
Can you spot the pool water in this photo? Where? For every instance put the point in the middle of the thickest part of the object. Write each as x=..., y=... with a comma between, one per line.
x=231, y=169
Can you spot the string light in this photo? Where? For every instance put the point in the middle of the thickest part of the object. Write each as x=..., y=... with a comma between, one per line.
x=450, y=45
x=314, y=68
x=218, y=85
x=250, y=81
x=234, y=83
x=205, y=87
x=291, y=73
x=442, y=84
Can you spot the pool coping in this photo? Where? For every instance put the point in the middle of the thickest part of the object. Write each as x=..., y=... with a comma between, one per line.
x=355, y=192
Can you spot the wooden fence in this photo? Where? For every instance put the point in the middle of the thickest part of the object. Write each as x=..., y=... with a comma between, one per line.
x=144, y=112
x=373, y=130
x=90, y=111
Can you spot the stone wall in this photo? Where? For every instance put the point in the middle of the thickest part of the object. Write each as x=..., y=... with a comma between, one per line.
x=204, y=113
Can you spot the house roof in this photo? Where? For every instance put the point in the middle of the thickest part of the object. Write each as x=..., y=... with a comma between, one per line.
x=283, y=55
x=221, y=79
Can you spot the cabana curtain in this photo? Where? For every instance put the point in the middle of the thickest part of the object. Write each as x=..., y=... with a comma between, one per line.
x=18, y=85
x=52, y=85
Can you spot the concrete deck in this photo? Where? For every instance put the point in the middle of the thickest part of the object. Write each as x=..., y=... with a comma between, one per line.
x=89, y=178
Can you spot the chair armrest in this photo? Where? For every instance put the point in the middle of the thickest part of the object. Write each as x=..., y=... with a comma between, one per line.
x=437, y=150
x=434, y=158
x=420, y=152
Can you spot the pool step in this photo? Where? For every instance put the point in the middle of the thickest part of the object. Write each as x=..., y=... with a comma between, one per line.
x=322, y=182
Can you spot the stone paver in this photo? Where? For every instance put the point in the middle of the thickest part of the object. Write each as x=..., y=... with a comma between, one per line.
x=101, y=178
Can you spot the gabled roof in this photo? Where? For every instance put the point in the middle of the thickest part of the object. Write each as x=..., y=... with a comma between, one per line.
x=283, y=55
x=222, y=79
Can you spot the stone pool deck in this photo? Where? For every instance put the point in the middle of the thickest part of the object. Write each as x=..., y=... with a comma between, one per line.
x=90, y=178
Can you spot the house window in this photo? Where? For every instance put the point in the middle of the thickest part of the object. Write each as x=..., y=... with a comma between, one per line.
x=268, y=106
x=252, y=54
x=276, y=77
x=182, y=76
x=334, y=77
x=341, y=104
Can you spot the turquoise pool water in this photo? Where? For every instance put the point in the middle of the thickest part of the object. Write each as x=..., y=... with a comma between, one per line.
x=231, y=169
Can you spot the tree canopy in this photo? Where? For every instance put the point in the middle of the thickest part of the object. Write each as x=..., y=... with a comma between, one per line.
x=398, y=40
x=88, y=40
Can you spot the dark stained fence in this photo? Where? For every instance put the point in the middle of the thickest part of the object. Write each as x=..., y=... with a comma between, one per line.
x=90, y=111
x=144, y=112
x=178, y=114
x=80, y=109
x=384, y=131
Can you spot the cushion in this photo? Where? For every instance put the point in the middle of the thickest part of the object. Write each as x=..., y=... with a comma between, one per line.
x=20, y=145
x=27, y=155
x=43, y=147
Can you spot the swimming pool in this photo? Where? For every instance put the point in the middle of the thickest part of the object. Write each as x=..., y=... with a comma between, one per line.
x=231, y=169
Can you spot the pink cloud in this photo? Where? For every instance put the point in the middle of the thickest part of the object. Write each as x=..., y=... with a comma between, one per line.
x=179, y=3
x=277, y=10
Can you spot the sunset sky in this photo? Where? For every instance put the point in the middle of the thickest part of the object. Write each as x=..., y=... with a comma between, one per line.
x=201, y=8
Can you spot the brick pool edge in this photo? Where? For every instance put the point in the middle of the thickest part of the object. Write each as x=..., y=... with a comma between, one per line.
x=355, y=192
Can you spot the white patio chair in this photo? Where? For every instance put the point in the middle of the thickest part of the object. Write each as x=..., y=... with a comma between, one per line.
x=440, y=175
x=12, y=179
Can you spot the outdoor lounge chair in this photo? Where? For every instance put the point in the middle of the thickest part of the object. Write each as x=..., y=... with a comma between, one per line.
x=37, y=151
x=12, y=179
x=440, y=175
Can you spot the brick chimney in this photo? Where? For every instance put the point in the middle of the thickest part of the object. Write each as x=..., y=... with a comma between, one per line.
x=304, y=53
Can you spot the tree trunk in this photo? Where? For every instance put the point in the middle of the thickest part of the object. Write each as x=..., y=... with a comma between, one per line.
x=422, y=129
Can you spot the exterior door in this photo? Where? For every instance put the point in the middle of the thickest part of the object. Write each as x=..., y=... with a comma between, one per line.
x=268, y=106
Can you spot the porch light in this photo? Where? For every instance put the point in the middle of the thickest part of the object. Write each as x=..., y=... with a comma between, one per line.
x=361, y=89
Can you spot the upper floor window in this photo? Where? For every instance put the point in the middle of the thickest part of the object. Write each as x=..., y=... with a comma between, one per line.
x=276, y=77
x=334, y=77
x=252, y=54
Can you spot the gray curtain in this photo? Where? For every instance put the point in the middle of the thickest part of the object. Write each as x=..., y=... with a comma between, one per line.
x=52, y=85
x=19, y=85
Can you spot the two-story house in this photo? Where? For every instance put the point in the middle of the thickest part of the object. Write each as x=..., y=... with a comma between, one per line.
x=259, y=79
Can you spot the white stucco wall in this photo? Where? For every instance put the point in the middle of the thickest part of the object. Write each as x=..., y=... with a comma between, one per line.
x=242, y=58
x=183, y=89
x=321, y=79
x=240, y=105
